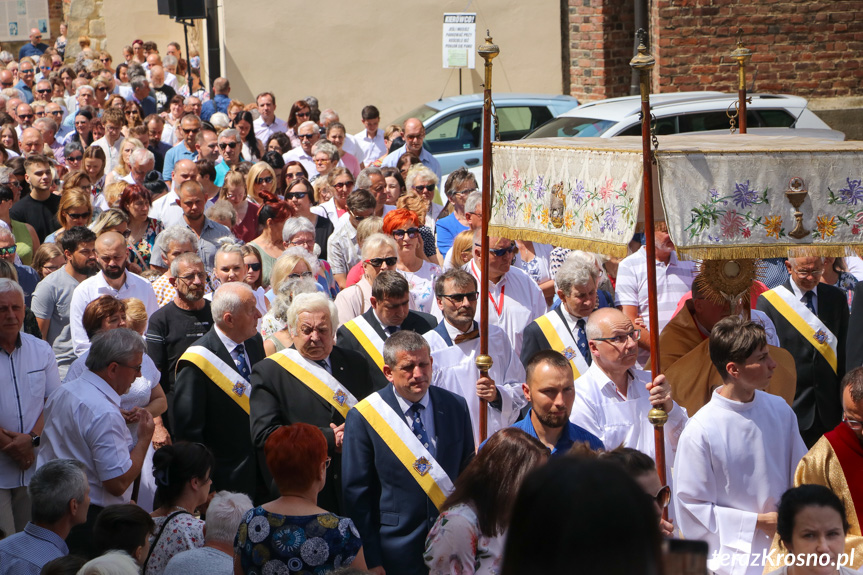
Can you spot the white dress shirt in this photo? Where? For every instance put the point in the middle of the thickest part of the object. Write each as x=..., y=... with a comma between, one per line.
x=83, y=422
x=29, y=375
x=426, y=417
x=231, y=346
x=373, y=147
x=798, y=293
x=112, y=153
x=93, y=287
x=263, y=131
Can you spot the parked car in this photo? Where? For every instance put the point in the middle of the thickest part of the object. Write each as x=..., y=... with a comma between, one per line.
x=454, y=125
x=678, y=113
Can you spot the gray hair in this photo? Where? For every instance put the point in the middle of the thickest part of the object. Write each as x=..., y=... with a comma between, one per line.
x=287, y=291
x=224, y=515
x=473, y=200
x=228, y=300
x=111, y=563
x=228, y=245
x=326, y=147
x=53, y=486
x=178, y=234
x=138, y=82
x=364, y=179
x=170, y=60
x=136, y=70
x=188, y=258
x=376, y=241
x=221, y=211
x=230, y=134
x=575, y=273
x=84, y=87
x=420, y=172
x=6, y=233
x=141, y=157
x=48, y=124
x=8, y=286
x=113, y=346
x=296, y=225
x=6, y=173
x=310, y=302
x=329, y=115
x=70, y=148
x=6, y=56
x=309, y=124
x=403, y=341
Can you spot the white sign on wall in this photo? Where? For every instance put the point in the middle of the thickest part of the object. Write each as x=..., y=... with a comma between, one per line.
x=17, y=17
x=459, y=40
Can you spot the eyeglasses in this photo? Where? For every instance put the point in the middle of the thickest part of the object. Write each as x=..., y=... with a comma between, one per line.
x=48, y=91
x=264, y=180
x=51, y=268
x=231, y=145
x=74, y=158
x=306, y=243
x=360, y=218
x=7, y=84
x=56, y=113
x=429, y=188
x=306, y=136
x=296, y=195
x=298, y=276
x=8, y=251
x=322, y=160
x=25, y=116
x=104, y=60
x=621, y=339
x=135, y=368
x=410, y=232
x=78, y=216
x=189, y=278
x=126, y=234
x=378, y=262
x=25, y=71
x=131, y=112
x=663, y=497
x=459, y=297
x=293, y=175
x=99, y=89
x=305, y=114
x=853, y=423
x=809, y=273
x=255, y=266
x=463, y=192
x=343, y=185
x=501, y=251
x=191, y=130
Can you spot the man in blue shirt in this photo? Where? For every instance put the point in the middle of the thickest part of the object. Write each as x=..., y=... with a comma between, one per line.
x=35, y=47
x=189, y=128
x=59, y=498
x=551, y=391
x=415, y=134
x=26, y=73
x=220, y=100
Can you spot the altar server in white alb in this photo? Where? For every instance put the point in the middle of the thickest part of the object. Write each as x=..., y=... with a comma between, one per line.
x=454, y=346
x=741, y=451
x=612, y=398
x=514, y=299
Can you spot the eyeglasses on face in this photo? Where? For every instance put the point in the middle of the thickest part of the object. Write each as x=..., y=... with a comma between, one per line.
x=293, y=175
x=852, y=423
x=343, y=185
x=304, y=114
x=305, y=136
x=131, y=112
x=427, y=188
x=300, y=275
x=500, y=251
x=264, y=180
x=225, y=145
x=74, y=158
x=78, y=216
x=296, y=195
x=410, y=232
x=9, y=250
x=378, y=262
x=622, y=338
x=25, y=116
x=460, y=297
x=189, y=278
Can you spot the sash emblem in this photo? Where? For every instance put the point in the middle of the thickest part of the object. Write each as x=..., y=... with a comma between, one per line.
x=820, y=336
x=340, y=397
x=569, y=353
x=239, y=389
x=422, y=466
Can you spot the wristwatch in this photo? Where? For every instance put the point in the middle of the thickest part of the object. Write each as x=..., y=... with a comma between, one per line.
x=36, y=439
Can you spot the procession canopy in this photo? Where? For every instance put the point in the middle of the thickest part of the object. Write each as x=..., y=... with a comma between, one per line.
x=734, y=196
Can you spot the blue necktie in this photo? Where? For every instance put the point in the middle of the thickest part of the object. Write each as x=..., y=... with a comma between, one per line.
x=323, y=364
x=581, y=341
x=809, y=296
x=417, y=425
x=242, y=366
x=391, y=329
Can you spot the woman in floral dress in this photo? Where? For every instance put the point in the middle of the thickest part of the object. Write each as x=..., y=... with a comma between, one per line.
x=135, y=201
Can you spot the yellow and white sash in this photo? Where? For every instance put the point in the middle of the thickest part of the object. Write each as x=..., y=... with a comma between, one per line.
x=222, y=374
x=560, y=339
x=400, y=438
x=317, y=379
x=805, y=322
x=368, y=338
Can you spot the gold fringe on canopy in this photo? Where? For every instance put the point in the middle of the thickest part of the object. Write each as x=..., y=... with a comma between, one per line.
x=764, y=252
x=560, y=240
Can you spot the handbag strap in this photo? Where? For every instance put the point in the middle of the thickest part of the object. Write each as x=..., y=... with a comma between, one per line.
x=158, y=535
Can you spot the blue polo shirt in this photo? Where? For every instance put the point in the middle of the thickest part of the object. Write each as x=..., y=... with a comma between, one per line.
x=174, y=155
x=571, y=434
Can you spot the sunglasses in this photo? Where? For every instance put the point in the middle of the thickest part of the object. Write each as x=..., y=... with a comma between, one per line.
x=7, y=84
x=306, y=136
x=74, y=158
x=255, y=267
x=264, y=180
x=303, y=114
x=48, y=91
x=424, y=188
x=501, y=251
x=378, y=262
x=459, y=297
x=343, y=185
x=8, y=251
x=410, y=232
x=231, y=145
x=25, y=116
x=131, y=112
x=298, y=276
x=296, y=195
x=80, y=216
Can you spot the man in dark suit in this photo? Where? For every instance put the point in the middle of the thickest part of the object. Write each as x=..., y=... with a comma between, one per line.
x=395, y=499
x=389, y=314
x=314, y=382
x=211, y=397
x=854, y=347
x=821, y=311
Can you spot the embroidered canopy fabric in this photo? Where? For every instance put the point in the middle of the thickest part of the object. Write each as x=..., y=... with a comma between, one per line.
x=722, y=196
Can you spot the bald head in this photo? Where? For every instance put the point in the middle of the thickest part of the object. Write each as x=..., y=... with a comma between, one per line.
x=110, y=240
x=157, y=76
x=7, y=79
x=32, y=141
x=154, y=59
x=599, y=319
x=184, y=171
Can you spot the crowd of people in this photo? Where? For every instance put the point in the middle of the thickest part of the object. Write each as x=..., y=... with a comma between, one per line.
x=236, y=343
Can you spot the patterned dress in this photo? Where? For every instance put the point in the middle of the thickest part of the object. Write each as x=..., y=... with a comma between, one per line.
x=422, y=286
x=140, y=253
x=271, y=543
x=455, y=544
x=184, y=532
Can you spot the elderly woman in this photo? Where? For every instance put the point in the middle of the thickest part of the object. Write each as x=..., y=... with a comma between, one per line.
x=326, y=157
x=424, y=182
x=279, y=338
x=261, y=179
x=379, y=253
x=297, y=458
x=271, y=219
x=342, y=182
x=135, y=201
x=459, y=185
x=336, y=134
x=298, y=231
x=403, y=225
x=234, y=191
x=300, y=196
x=535, y=259
x=174, y=242
x=295, y=263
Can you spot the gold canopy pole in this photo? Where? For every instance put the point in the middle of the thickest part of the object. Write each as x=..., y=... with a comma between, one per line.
x=644, y=63
x=488, y=51
x=742, y=55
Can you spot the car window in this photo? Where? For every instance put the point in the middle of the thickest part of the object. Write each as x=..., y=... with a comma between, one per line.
x=455, y=133
x=514, y=122
x=772, y=118
x=567, y=127
x=421, y=113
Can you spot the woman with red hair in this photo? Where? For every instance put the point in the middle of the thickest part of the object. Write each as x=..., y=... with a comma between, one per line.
x=292, y=534
x=135, y=201
x=404, y=226
x=271, y=219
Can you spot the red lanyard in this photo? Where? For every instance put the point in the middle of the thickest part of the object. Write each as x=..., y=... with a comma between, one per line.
x=497, y=305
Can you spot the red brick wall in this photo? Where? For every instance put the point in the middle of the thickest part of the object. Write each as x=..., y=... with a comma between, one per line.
x=810, y=48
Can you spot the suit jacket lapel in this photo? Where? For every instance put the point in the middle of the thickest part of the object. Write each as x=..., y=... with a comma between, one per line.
x=216, y=346
x=376, y=325
x=559, y=311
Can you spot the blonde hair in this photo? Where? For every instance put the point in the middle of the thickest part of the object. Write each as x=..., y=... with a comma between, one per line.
x=368, y=227
x=232, y=178
x=108, y=219
x=286, y=263
x=122, y=169
x=463, y=241
x=318, y=185
x=113, y=191
x=412, y=201
x=136, y=314
x=420, y=172
x=256, y=171
x=73, y=198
